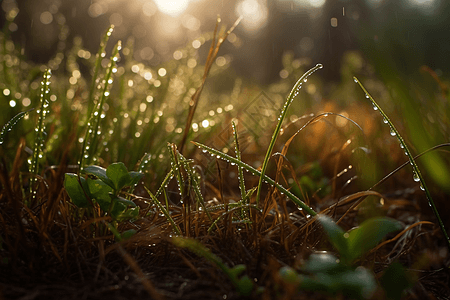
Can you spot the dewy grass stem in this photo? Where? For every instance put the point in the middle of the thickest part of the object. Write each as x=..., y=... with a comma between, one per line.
x=417, y=175
x=248, y=168
x=294, y=92
x=43, y=110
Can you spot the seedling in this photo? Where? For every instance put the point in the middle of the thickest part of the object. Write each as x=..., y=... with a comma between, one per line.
x=328, y=273
x=104, y=190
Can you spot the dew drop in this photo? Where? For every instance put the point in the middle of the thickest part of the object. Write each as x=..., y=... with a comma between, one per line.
x=416, y=177
x=392, y=132
x=375, y=107
x=355, y=80
x=422, y=188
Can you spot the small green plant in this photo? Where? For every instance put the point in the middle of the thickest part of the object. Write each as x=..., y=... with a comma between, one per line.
x=243, y=284
x=328, y=273
x=104, y=190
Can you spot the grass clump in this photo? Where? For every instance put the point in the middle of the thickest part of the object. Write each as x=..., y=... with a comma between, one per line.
x=208, y=219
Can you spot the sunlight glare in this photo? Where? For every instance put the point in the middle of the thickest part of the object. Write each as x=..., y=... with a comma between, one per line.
x=316, y=3
x=172, y=7
x=311, y=3
x=254, y=14
x=426, y=6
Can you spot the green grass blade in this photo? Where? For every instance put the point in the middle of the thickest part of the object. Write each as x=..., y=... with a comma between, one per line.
x=91, y=139
x=164, y=211
x=244, y=197
x=98, y=63
x=193, y=179
x=417, y=175
x=255, y=172
x=176, y=168
x=294, y=92
x=43, y=110
x=8, y=126
x=238, y=157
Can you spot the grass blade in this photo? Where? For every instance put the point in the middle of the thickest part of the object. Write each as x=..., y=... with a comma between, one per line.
x=91, y=139
x=98, y=63
x=43, y=110
x=417, y=175
x=240, y=172
x=248, y=168
x=193, y=182
x=8, y=126
x=294, y=92
x=164, y=211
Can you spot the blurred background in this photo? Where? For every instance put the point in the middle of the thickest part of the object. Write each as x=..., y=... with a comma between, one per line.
x=409, y=33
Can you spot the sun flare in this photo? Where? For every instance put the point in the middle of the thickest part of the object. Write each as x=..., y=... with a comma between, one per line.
x=172, y=7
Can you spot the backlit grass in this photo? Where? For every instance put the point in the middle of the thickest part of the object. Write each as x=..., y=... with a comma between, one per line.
x=159, y=183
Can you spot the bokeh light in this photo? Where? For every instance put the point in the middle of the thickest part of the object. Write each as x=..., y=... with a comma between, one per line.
x=254, y=14
x=313, y=3
x=172, y=7
x=425, y=6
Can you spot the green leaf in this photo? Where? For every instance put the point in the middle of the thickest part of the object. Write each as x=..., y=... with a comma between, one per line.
x=125, y=201
x=335, y=234
x=120, y=212
x=289, y=275
x=77, y=192
x=395, y=280
x=237, y=270
x=369, y=234
x=245, y=286
x=100, y=173
x=322, y=262
x=100, y=192
x=129, y=233
x=359, y=283
x=118, y=174
x=134, y=178
x=354, y=284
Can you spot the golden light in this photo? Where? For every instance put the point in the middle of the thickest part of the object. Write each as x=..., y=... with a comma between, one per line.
x=317, y=3
x=426, y=6
x=172, y=7
x=313, y=3
x=254, y=14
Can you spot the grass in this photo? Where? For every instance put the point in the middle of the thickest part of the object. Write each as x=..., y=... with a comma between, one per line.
x=212, y=217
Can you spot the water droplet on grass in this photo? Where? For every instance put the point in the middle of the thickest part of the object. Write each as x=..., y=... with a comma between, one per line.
x=416, y=177
x=393, y=132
